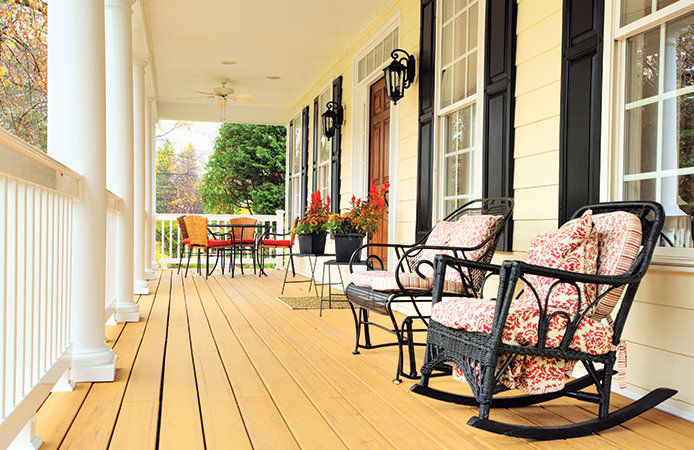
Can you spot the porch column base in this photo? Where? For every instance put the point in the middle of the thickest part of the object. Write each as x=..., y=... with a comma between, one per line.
x=27, y=439
x=93, y=366
x=127, y=313
x=141, y=287
x=149, y=274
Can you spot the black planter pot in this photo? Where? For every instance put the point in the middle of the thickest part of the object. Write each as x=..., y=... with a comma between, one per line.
x=346, y=245
x=312, y=243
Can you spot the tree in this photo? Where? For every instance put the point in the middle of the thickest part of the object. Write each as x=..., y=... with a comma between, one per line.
x=246, y=170
x=187, y=182
x=23, y=61
x=165, y=166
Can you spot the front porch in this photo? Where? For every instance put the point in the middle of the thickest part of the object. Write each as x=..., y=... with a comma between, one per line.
x=221, y=363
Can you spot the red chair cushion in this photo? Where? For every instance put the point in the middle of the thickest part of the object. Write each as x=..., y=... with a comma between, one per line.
x=277, y=242
x=218, y=243
x=244, y=241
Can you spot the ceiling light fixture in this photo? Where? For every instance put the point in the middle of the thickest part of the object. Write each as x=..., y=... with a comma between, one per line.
x=273, y=77
x=229, y=62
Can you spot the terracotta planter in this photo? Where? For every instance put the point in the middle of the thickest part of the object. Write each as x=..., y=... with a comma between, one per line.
x=346, y=245
x=312, y=243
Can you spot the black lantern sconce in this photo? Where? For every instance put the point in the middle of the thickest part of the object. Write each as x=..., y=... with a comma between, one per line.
x=399, y=74
x=332, y=118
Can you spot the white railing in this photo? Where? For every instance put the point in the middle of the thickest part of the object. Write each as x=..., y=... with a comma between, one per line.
x=36, y=203
x=168, y=235
x=113, y=209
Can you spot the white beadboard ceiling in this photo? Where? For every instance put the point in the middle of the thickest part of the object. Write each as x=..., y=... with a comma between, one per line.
x=293, y=39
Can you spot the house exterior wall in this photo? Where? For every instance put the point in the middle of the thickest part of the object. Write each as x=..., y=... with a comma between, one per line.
x=659, y=329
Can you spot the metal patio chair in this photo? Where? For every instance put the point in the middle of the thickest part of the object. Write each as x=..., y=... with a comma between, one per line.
x=410, y=282
x=271, y=240
x=484, y=359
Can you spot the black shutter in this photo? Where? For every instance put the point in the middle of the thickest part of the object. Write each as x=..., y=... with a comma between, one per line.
x=304, y=160
x=425, y=151
x=336, y=151
x=316, y=142
x=290, y=146
x=581, y=86
x=499, y=104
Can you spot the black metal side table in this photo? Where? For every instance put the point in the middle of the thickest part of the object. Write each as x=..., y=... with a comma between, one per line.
x=313, y=263
x=329, y=265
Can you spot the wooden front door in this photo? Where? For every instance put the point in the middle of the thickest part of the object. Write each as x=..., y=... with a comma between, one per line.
x=379, y=140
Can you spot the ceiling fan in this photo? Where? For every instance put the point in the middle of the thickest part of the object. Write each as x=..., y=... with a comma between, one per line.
x=223, y=94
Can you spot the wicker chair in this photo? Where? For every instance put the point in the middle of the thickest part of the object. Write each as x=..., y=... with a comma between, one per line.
x=564, y=335
x=243, y=239
x=270, y=240
x=413, y=271
x=196, y=227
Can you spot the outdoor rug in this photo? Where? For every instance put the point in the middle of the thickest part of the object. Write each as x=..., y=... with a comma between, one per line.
x=311, y=302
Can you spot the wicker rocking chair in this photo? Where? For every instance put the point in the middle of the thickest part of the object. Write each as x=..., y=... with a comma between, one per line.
x=411, y=281
x=486, y=358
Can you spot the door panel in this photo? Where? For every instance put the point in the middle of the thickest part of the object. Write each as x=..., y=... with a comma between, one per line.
x=379, y=148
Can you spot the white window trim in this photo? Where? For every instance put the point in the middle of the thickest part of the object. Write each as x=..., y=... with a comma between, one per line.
x=440, y=113
x=294, y=177
x=612, y=131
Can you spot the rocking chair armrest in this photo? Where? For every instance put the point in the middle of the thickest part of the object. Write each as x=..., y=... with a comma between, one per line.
x=577, y=277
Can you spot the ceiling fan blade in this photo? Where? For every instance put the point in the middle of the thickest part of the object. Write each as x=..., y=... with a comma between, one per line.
x=242, y=95
x=205, y=93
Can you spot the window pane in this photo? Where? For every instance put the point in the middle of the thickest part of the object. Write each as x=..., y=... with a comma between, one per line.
x=640, y=190
x=634, y=9
x=447, y=45
x=448, y=207
x=642, y=65
x=472, y=35
x=663, y=3
x=641, y=129
x=446, y=82
x=471, y=88
x=679, y=53
x=459, y=80
x=460, y=41
x=450, y=170
x=678, y=134
x=677, y=198
x=448, y=6
x=460, y=4
x=464, y=173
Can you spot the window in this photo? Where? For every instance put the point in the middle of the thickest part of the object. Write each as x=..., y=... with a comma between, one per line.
x=458, y=96
x=656, y=123
x=324, y=146
x=378, y=55
x=295, y=169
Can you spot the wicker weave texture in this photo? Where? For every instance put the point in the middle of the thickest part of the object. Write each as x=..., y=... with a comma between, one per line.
x=197, y=230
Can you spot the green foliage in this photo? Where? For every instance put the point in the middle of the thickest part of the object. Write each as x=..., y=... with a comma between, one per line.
x=178, y=180
x=246, y=170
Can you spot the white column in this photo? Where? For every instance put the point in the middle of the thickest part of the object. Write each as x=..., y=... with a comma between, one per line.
x=149, y=272
x=140, y=285
x=119, y=146
x=77, y=138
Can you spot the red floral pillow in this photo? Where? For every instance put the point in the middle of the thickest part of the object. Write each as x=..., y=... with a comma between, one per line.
x=574, y=248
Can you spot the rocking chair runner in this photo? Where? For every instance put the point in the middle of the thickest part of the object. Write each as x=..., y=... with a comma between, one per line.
x=485, y=357
x=412, y=278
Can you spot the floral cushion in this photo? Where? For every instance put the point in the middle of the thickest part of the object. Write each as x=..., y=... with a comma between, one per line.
x=466, y=232
x=381, y=280
x=530, y=374
x=619, y=237
x=574, y=248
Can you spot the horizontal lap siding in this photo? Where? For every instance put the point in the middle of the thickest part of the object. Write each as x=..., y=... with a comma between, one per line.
x=536, y=154
x=658, y=330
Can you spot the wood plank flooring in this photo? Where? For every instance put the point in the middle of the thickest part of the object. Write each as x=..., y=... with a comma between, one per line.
x=221, y=363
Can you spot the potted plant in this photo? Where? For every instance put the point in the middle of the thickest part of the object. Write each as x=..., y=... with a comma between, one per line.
x=363, y=217
x=312, y=228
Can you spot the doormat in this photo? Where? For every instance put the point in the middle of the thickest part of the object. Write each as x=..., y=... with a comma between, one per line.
x=312, y=302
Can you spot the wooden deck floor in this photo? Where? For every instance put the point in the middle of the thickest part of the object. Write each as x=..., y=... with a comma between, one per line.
x=220, y=363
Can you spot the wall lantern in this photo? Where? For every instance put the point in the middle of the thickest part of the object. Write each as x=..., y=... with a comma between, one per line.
x=332, y=118
x=399, y=74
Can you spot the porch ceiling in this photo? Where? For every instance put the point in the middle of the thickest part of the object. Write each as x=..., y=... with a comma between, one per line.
x=295, y=40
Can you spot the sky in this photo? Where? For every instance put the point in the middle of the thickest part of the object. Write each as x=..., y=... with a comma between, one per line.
x=200, y=134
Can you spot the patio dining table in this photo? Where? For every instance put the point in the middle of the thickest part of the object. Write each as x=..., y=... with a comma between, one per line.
x=235, y=233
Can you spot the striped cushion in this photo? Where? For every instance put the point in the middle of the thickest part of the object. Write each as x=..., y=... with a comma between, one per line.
x=381, y=280
x=619, y=242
